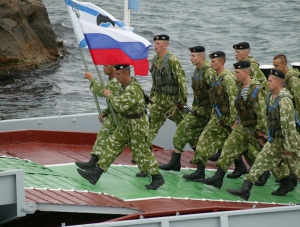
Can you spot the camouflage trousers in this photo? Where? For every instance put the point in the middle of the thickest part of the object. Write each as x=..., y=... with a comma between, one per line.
x=188, y=131
x=211, y=139
x=133, y=132
x=162, y=108
x=270, y=158
x=235, y=145
x=108, y=128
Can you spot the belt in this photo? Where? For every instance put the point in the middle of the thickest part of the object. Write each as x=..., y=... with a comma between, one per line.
x=133, y=116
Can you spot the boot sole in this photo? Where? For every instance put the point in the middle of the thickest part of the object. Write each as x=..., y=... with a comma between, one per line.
x=292, y=189
x=175, y=169
x=83, y=175
x=150, y=187
x=216, y=186
x=243, y=197
x=237, y=176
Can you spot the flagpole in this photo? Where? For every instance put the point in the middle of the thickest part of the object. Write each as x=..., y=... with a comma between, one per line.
x=126, y=13
x=86, y=69
x=109, y=104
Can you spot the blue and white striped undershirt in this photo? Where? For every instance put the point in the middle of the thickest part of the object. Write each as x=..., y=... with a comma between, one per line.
x=244, y=92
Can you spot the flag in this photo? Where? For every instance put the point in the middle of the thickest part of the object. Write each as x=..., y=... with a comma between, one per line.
x=134, y=4
x=116, y=46
x=92, y=14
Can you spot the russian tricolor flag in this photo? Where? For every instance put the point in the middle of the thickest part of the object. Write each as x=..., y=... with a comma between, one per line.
x=117, y=46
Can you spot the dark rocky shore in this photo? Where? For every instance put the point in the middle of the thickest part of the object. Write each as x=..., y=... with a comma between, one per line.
x=27, y=40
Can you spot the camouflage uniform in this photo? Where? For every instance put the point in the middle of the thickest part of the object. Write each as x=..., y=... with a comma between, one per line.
x=240, y=138
x=168, y=87
x=191, y=126
x=275, y=150
x=256, y=73
x=108, y=126
x=214, y=135
x=132, y=129
x=292, y=83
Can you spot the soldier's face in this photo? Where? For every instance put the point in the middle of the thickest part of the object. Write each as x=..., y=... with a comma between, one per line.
x=279, y=65
x=120, y=76
x=160, y=46
x=274, y=82
x=107, y=69
x=239, y=74
x=195, y=58
x=241, y=55
x=215, y=63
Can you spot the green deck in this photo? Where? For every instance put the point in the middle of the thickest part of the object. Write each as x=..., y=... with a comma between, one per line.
x=120, y=181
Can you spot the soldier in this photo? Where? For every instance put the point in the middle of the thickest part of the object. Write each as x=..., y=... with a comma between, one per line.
x=222, y=95
x=132, y=129
x=169, y=85
x=251, y=127
x=241, y=53
x=108, y=126
x=194, y=122
x=291, y=80
x=283, y=141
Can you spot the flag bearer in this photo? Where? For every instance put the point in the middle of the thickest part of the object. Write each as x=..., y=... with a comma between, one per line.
x=132, y=129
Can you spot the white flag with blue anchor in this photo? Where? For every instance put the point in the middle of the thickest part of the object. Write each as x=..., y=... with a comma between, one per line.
x=93, y=14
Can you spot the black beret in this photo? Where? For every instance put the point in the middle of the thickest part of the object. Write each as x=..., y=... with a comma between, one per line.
x=118, y=67
x=277, y=73
x=241, y=65
x=197, y=49
x=161, y=37
x=241, y=46
x=217, y=54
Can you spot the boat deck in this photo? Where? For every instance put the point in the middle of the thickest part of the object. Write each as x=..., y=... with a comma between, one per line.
x=52, y=182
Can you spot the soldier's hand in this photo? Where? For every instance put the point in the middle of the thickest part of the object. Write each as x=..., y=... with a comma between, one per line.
x=106, y=92
x=88, y=75
x=103, y=115
x=262, y=134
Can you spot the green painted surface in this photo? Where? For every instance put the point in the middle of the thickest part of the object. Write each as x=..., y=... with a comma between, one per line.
x=120, y=181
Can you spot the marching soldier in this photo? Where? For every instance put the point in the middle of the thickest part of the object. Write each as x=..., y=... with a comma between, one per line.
x=222, y=95
x=169, y=85
x=132, y=129
x=194, y=122
x=251, y=127
x=108, y=126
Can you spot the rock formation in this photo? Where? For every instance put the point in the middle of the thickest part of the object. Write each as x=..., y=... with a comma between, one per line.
x=27, y=40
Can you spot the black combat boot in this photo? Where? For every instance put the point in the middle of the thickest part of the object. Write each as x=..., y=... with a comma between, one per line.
x=262, y=180
x=239, y=170
x=133, y=161
x=91, y=176
x=243, y=192
x=90, y=165
x=157, y=181
x=293, y=179
x=199, y=174
x=286, y=185
x=216, y=156
x=174, y=163
x=141, y=174
x=216, y=180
